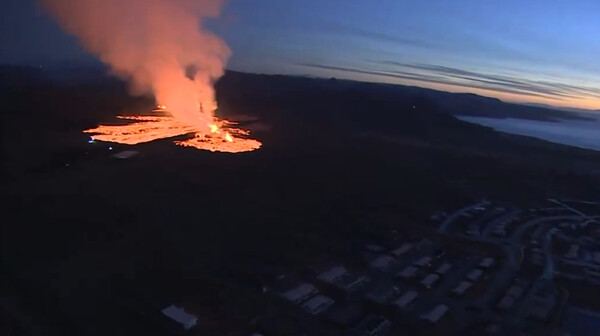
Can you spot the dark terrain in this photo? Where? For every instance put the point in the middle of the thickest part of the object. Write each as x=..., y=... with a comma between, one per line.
x=84, y=235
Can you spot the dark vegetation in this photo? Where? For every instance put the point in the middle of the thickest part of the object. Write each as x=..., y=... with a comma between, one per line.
x=89, y=246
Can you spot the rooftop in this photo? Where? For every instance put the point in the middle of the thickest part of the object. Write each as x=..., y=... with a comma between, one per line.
x=422, y=261
x=430, y=280
x=333, y=274
x=300, y=293
x=383, y=262
x=461, y=287
x=486, y=262
x=408, y=272
x=406, y=299
x=351, y=282
x=317, y=304
x=475, y=274
x=436, y=313
x=180, y=316
x=445, y=267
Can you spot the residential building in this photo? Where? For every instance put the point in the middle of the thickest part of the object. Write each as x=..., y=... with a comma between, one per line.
x=444, y=268
x=317, y=304
x=475, y=274
x=404, y=301
x=461, y=288
x=300, y=293
x=436, y=314
x=423, y=261
x=333, y=274
x=180, y=316
x=430, y=280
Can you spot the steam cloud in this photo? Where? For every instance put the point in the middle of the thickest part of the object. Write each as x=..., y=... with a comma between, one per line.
x=158, y=45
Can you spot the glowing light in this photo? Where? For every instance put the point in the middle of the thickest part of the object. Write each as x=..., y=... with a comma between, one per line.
x=149, y=128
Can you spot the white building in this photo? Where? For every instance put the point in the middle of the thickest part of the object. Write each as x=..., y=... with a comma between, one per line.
x=461, y=288
x=408, y=272
x=406, y=299
x=402, y=250
x=487, y=263
x=444, y=268
x=317, y=304
x=436, y=314
x=300, y=293
x=383, y=263
x=352, y=282
x=332, y=275
x=179, y=315
x=475, y=274
x=430, y=280
x=423, y=261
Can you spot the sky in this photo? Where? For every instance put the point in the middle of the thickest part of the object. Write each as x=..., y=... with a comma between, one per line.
x=535, y=51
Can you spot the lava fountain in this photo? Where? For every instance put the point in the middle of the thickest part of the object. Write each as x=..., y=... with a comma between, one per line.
x=161, y=48
x=218, y=136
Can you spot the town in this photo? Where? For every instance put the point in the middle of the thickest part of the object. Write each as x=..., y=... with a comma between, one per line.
x=487, y=269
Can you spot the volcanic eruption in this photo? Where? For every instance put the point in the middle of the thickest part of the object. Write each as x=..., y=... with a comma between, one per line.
x=161, y=48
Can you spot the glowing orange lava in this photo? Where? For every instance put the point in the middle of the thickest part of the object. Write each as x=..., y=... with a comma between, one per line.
x=139, y=129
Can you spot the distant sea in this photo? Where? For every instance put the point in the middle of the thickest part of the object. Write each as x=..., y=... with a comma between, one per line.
x=579, y=133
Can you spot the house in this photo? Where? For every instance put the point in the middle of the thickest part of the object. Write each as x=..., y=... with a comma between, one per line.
x=486, y=263
x=461, y=288
x=317, y=304
x=300, y=293
x=436, y=314
x=444, y=268
x=382, y=293
x=505, y=303
x=408, y=272
x=404, y=301
x=352, y=282
x=402, y=250
x=430, y=280
x=542, y=300
x=383, y=263
x=423, y=261
x=333, y=274
x=499, y=232
x=475, y=274
x=373, y=325
x=180, y=316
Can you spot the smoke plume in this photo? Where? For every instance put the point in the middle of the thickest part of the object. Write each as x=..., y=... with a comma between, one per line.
x=153, y=44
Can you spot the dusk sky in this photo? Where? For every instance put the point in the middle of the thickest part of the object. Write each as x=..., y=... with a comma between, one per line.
x=527, y=51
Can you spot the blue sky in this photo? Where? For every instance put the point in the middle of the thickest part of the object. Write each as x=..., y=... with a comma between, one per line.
x=528, y=50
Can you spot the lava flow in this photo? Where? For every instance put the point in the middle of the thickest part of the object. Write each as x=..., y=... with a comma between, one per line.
x=218, y=136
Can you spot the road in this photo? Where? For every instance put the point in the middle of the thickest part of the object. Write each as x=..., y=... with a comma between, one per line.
x=567, y=207
x=547, y=250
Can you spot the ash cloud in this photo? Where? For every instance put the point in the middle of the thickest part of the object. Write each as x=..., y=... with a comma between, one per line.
x=153, y=44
